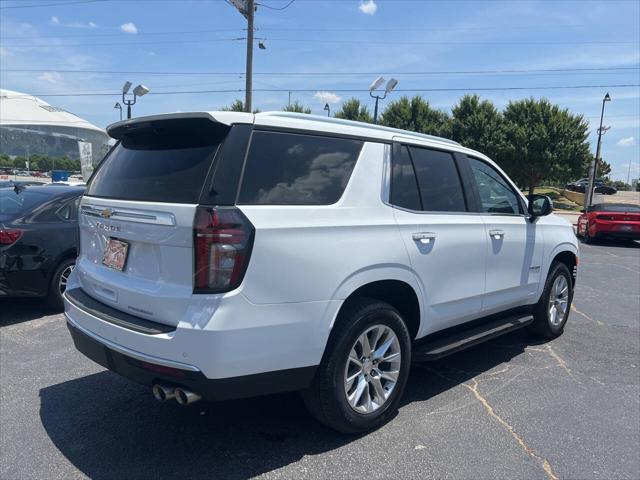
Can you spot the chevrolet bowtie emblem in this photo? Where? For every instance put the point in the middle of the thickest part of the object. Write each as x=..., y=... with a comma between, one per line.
x=106, y=213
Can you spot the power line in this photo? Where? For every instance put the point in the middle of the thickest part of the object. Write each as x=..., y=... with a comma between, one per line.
x=345, y=90
x=57, y=4
x=276, y=8
x=326, y=41
x=311, y=29
x=324, y=73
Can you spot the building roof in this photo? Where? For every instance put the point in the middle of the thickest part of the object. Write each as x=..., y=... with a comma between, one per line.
x=21, y=109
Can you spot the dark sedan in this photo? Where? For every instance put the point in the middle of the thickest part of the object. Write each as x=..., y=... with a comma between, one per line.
x=38, y=240
x=599, y=186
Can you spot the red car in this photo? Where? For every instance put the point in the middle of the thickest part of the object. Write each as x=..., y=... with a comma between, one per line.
x=616, y=220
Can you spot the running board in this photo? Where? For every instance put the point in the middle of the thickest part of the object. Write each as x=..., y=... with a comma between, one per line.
x=441, y=347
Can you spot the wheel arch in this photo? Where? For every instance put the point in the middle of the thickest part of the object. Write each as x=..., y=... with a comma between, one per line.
x=568, y=256
x=395, y=286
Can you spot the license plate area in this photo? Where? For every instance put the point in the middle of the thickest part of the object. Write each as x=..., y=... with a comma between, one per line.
x=115, y=254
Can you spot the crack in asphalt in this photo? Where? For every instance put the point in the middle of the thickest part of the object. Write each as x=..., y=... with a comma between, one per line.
x=573, y=308
x=546, y=466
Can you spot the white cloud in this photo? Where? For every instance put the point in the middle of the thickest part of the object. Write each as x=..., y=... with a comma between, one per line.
x=51, y=77
x=92, y=25
x=55, y=20
x=327, y=97
x=129, y=27
x=368, y=7
x=626, y=142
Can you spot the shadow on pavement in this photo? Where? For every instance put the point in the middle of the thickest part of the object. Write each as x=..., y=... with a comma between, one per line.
x=110, y=428
x=16, y=310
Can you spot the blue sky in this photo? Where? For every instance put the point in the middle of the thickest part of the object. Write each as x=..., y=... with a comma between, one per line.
x=327, y=47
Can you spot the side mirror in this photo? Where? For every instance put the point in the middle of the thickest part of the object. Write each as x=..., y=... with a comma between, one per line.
x=539, y=206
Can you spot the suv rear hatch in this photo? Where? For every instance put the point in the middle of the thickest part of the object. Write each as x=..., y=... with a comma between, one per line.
x=137, y=216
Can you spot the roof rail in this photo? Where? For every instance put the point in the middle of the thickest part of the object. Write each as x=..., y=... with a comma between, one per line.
x=353, y=123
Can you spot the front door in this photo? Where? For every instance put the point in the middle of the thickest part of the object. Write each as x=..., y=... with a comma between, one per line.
x=514, y=249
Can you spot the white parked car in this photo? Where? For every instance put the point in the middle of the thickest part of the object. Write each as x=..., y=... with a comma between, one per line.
x=227, y=255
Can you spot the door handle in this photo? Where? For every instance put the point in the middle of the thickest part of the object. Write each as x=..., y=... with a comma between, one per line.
x=424, y=237
x=497, y=234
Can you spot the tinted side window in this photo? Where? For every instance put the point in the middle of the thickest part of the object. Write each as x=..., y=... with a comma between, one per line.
x=496, y=195
x=440, y=186
x=404, y=187
x=293, y=169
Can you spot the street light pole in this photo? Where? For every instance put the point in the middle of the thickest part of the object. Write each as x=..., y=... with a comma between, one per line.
x=593, y=170
x=375, y=109
x=249, y=72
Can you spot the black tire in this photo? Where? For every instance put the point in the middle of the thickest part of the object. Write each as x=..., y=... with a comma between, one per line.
x=54, y=297
x=326, y=399
x=542, y=325
x=586, y=238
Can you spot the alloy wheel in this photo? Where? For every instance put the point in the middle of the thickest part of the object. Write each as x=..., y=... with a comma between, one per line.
x=558, y=300
x=372, y=369
x=64, y=278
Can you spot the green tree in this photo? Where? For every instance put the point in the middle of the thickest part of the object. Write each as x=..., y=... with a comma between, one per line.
x=543, y=142
x=604, y=169
x=296, y=107
x=620, y=185
x=416, y=115
x=478, y=125
x=352, y=109
x=236, y=106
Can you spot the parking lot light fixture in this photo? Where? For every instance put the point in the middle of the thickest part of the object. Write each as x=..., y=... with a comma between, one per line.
x=391, y=84
x=117, y=106
x=138, y=91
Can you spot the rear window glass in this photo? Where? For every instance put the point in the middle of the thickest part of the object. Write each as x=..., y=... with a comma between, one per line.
x=165, y=161
x=293, y=169
x=615, y=207
x=14, y=205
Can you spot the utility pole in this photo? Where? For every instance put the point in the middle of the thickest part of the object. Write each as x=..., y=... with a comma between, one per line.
x=249, y=73
x=593, y=170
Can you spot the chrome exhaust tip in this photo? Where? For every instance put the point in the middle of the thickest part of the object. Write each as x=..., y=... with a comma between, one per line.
x=186, y=397
x=162, y=393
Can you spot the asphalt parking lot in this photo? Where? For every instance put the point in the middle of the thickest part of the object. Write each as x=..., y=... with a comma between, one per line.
x=511, y=408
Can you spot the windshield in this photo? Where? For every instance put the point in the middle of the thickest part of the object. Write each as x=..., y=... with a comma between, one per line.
x=15, y=204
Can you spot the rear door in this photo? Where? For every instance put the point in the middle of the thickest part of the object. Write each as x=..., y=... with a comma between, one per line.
x=446, y=244
x=515, y=245
x=136, y=219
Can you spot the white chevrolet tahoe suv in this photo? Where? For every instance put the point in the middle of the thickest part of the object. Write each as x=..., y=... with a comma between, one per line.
x=227, y=255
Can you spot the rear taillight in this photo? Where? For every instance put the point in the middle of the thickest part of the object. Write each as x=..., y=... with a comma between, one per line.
x=223, y=238
x=9, y=236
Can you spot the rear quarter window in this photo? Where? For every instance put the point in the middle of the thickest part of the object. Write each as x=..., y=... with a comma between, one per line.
x=297, y=169
x=16, y=204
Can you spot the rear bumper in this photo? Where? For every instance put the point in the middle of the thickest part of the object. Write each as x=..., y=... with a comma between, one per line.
x=149, y=371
